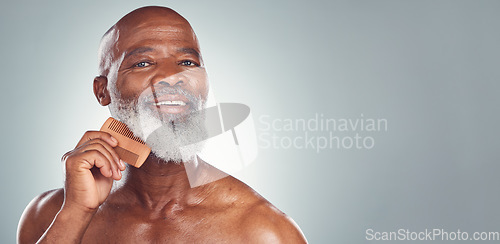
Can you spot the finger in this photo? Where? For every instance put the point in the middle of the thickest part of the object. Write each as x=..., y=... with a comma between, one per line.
x=111, y=150
x=89, y=135
x=114, y=164
x=90, y=158
x=96, y=159
x=66, y=155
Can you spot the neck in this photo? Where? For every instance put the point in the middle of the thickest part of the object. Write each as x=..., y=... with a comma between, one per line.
x=158, y=183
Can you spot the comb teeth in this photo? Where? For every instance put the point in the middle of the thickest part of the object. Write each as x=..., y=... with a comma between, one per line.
x=121, y=128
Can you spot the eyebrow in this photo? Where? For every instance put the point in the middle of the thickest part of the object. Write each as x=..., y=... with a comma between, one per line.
x=138, y=51
x=189, y=50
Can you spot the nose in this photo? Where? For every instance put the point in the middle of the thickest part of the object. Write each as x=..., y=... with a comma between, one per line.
x=169, y=75
x=167, y=83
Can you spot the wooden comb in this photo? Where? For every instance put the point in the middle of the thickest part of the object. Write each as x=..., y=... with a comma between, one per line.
x=131, y=149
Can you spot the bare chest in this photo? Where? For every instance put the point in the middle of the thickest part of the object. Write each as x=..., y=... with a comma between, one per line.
x=180, y=227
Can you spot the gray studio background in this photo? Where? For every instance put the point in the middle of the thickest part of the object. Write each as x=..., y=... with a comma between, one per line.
x=430, y=68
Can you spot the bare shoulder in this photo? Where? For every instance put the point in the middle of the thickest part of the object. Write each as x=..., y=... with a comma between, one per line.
x=38, y=215
x=264, y=223
x=260, y=221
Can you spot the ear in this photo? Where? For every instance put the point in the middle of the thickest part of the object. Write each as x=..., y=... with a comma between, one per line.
x=101, y=90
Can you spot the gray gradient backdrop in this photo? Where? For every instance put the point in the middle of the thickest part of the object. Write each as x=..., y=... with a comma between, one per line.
x=429, y=67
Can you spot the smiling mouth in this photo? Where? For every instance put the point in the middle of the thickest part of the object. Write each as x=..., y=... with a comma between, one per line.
x=171, y=106
x=170, y=103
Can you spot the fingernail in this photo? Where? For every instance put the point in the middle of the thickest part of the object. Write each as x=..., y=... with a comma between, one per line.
x=114, y=139
x=122, y=163
x=111, y=172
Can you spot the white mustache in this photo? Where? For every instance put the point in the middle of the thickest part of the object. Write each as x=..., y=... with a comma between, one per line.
x=152, y=93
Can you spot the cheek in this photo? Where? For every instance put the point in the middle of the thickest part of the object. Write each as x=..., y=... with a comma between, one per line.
x=203, y=89
x=132, y=85
x=199, y=84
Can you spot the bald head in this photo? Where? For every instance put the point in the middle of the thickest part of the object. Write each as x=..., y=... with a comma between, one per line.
x=152, y=17
x=150, y=13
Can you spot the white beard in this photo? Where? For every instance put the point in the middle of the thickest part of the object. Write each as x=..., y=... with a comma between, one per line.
x=166, y=134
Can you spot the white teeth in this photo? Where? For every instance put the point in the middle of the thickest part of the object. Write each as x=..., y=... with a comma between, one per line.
x=173, y=103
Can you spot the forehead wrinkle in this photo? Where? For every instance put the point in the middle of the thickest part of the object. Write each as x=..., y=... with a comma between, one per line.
x=131, y=47
x=154, y=36
x=156, y=33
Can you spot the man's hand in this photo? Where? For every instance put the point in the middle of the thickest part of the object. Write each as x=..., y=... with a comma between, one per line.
x=90, y=170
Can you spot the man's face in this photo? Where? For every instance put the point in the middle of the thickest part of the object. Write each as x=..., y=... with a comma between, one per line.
x=157, y=81
x=155, y=53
